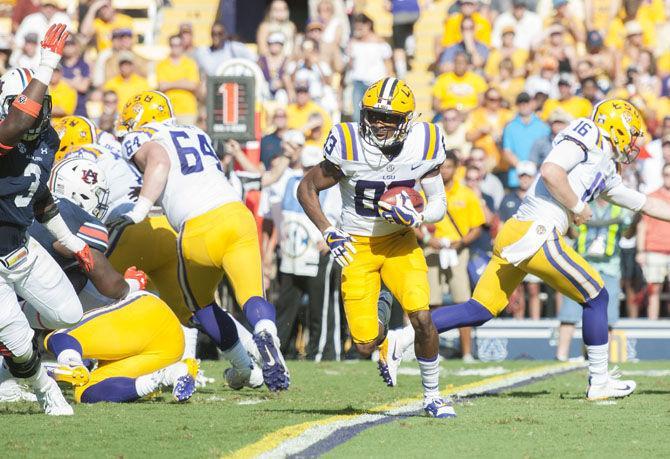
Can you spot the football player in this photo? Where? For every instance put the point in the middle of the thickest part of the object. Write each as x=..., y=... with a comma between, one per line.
x=584, y=163
x=27, y=147
x=217, y=233
x=375, y=241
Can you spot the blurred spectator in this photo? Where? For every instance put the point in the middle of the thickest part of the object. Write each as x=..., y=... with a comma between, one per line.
x=601, y=58
x=276, y=20
x=447, y=251
x=483, y=245
x=526, y=171
x=223, y=48
x=539, y=90
x=107, y=64
x=37, y=23
x=460, y=88
x=452, y=26
x=76, y=73
x=634, y=46
x=575, y=106
x=28, y=55
x=455, y=133
x=486, y=124
x=178, y=77
x=562, y=15
x=313, y=72
x=273, y=65
x=653, y=249
x=527, y=26
x=298, y=113
x=186, y=34
x=590, y=91
x=658, y=151
x=476, y=51
x=314, y=130
x=128, y=82
x=507, y=49
x=331, y=32
x=21, y=9
x=600, y=13
x=558, y=120
x=101, y=20
x=556, y=46
x=306, y=268
x=110, y=104
x=520, y=134
x=63, y=97
x=598, y=242
x=507, y=81
x=489, y=184
x=271, y=143
x=369, y=60
x=405, y=14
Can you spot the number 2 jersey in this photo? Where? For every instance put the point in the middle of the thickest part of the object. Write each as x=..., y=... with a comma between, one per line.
x=196, y=182
x=368, y=173
x=587, y=157
x=24, y=174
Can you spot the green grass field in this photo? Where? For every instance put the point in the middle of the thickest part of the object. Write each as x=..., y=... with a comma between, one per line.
x=548, y=418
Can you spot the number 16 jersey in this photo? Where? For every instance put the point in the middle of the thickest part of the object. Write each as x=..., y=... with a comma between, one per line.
x=196, y=182
x=368, y=173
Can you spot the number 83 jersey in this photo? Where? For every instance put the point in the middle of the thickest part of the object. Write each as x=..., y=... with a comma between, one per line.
x=368, y=173
x=196, y=182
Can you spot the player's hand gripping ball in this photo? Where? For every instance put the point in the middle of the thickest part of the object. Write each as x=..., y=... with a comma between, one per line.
x=402, y=206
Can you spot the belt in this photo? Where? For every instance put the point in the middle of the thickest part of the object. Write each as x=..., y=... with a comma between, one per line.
x=15, y=258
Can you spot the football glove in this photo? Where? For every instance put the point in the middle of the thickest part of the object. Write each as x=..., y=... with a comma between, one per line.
x=403, y=213
x=340, y=245
x=136, y=279
x=85, y=258
x=51, y=52
x=116, y=226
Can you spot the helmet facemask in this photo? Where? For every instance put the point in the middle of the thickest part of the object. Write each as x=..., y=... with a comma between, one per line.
x=384, y=128
x=41, y=122
x=630, y=151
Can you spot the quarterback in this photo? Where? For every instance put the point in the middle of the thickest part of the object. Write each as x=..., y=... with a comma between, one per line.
x=375, y=242
x=583, y=164
x=217, y=234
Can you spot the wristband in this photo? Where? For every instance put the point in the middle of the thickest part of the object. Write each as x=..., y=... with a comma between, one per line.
x=133, y=285
x=43, y=74
x=27, y=105
x=577, y=209
x=141, y=209
x=59, y=230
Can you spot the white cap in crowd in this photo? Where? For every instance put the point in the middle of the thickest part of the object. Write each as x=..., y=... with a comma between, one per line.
x=526, y=168
x=311, y=156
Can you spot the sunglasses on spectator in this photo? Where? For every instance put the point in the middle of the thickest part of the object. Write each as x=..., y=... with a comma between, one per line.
x=217, y=33
x=450, y=119
x=111, y=101
x=493, y=99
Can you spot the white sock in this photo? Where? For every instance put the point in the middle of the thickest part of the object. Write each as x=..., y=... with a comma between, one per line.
x=597, y=363
x=146, y=384
x=190, y=342
x=266, y=325
x=244, y=334
x=238, y=357
x=70, y=357
x=430, y=376
x=40, y=381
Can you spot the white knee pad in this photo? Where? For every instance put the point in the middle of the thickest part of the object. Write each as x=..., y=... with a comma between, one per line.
x=18, y=341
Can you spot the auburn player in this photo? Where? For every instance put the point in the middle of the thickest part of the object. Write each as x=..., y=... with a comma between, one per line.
x=217, y=233
x=27, y=147
x=583, y=164
x=374, y=243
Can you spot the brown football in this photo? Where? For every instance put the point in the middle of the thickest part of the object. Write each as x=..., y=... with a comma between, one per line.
x=416, y=198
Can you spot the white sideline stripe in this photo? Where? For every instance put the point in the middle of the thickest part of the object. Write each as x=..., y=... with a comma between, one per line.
x=317, y=433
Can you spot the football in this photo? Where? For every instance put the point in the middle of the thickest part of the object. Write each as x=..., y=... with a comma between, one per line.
x=416, y=198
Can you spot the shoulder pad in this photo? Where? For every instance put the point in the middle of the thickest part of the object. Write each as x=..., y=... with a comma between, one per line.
x=583, y=132
x=433, y=142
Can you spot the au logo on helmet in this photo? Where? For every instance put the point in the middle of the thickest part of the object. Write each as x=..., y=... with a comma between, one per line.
x=89, y=176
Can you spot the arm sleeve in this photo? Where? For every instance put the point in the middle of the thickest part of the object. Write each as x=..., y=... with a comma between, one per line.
x=566, y=154
x=623, y=196
x=436, y=206
x=94, y=234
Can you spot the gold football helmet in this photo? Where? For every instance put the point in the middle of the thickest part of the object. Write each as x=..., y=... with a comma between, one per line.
x=74, y=131
x=141, y=109
x=621, y=123
x=387, y=111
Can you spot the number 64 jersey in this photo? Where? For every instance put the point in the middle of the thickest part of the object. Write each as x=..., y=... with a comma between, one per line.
x=587, y=157
x=368, y=173
x=196, y=182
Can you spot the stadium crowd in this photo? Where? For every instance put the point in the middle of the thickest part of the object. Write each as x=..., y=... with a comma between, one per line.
x=507, y=76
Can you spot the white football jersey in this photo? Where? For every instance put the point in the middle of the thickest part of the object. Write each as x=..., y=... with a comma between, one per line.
x=596, y=174
x=123, y=179
x=368, y=173
x=196, y=182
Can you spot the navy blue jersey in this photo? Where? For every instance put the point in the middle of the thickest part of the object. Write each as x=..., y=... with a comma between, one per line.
x=82, y=224
x=24, y=175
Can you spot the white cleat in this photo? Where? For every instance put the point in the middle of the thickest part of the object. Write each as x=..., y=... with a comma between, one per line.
x=389, y=363
x=52, y=401
x=438, y=408
x=612, y=388
x=12, y=391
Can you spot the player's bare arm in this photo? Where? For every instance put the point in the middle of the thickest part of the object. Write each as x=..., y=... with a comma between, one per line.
x=316, y=180
x=152, y=159
x=26, y=108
